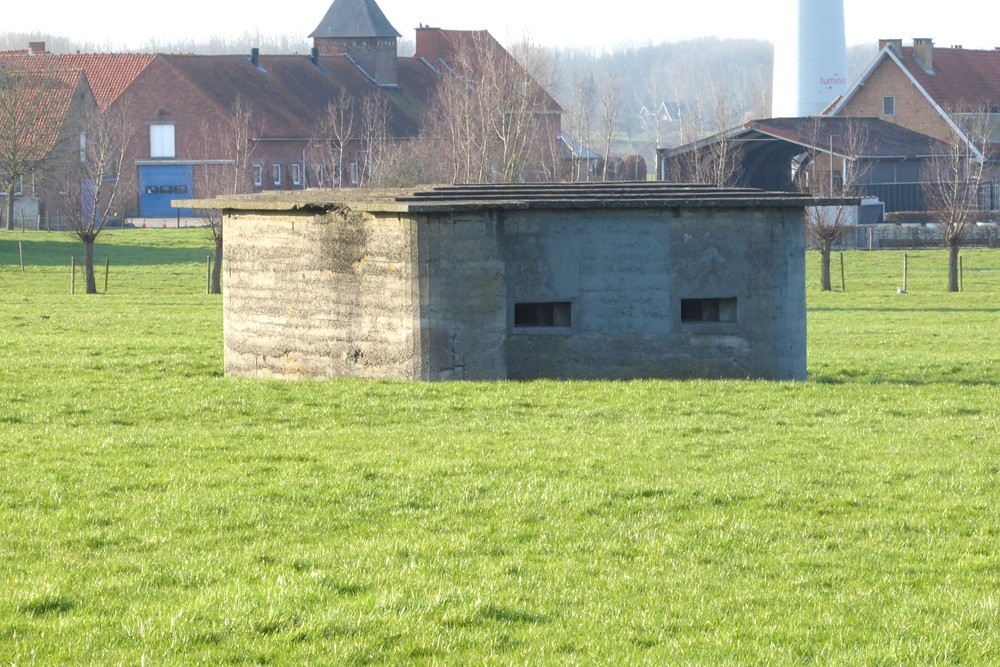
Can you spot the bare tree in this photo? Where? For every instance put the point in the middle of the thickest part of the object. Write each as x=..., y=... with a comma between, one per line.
x=234, y=140
x=94, y=183
x=491, y=115
x=831, y=169
x=951, y=183
x=28, y=131
x=335, y=134
x=375, y=142
x=714, y=161
x=609, y=105
x=581, y=121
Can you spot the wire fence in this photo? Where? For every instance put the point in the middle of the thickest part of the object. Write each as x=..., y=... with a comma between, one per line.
x=913, y=237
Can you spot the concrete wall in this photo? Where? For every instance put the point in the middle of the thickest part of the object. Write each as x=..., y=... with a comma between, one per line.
x=462, y=296
x=434, y=296
x=625, y=274
x=319, y=296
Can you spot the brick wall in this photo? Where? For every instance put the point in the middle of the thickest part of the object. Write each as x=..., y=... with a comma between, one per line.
x=913, y=110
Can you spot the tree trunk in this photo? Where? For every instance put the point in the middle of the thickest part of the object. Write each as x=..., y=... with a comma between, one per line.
x=953, y=249
x=825, y=247
x=10, y=208
x=217, y=267
x=89, y=266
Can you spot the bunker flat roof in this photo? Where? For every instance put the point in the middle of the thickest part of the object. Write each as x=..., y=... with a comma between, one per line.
x=640, y=194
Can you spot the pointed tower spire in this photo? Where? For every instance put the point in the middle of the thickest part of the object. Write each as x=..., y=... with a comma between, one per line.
x=359, y=29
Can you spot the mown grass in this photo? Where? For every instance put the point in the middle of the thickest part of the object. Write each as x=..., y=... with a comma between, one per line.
x=153, y=510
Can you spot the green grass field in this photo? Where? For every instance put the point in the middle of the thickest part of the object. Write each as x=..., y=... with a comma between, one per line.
x=153, y=511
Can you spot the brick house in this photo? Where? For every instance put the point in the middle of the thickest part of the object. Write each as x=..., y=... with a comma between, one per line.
x=939, y=92
x=40, y=129
x=184, y=106
x=923, y=87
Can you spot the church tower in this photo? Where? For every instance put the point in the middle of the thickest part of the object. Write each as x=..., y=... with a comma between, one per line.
x=359, y=30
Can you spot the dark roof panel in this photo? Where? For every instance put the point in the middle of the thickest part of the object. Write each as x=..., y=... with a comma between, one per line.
x=527, y=196
x=871, y=138
x=289, y=95
x=855, y=137
x=354, y=18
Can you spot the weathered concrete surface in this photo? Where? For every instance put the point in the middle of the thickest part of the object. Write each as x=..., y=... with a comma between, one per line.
x=626, y=273
x=430, y=293
x=319, y=296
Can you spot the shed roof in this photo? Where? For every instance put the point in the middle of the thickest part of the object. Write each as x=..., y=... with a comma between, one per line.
x=866, y=138
x=354, y=18
x=541, y=196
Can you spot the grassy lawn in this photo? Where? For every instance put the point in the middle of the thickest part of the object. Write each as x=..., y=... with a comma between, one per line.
x=153, y=511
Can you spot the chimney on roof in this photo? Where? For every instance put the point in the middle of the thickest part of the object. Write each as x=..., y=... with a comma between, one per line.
x=923, y=51
x=896, y=44
x=429, y=43
x=314, y=56
x=255, y=56
x=36, y=48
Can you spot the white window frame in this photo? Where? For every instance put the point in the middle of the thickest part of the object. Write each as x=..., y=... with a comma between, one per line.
x=296, y=174
x=355, y=173
x=276, y=175
x=162, y=140
x=258, y=175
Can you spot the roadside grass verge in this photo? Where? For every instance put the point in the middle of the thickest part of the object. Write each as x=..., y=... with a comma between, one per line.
x=152, y=509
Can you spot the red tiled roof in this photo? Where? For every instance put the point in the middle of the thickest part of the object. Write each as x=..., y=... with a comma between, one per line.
x=962, y=78
x=43, y=104
x=109, y=74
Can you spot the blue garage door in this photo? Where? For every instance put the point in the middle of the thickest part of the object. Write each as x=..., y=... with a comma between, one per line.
x=159, y=185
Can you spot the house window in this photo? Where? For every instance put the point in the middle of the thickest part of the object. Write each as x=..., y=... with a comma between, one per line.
x=83, y=147
x=321, y=175
x=355, y=173
x=161, y=141
x=19, y=186
x=543, y=314
x=258, y=176
x=276, y=175
x=708, y=310
x=296, y=175
x=888, y=106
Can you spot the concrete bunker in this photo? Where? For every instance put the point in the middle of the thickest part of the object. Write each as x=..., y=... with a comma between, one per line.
x=570, y=281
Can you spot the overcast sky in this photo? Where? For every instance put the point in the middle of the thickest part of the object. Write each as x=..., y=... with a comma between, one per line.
x=547, y=22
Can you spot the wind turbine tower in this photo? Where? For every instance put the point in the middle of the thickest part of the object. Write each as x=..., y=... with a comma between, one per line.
x=810, y=61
